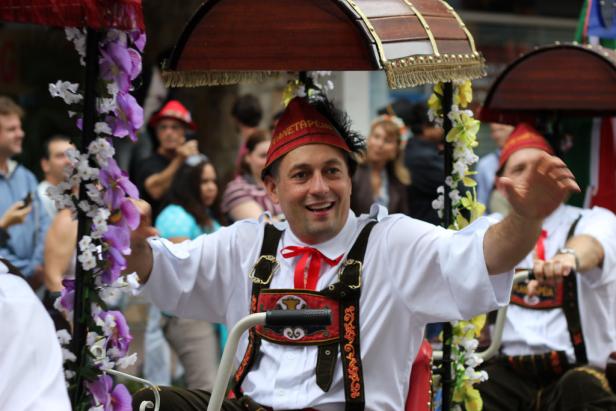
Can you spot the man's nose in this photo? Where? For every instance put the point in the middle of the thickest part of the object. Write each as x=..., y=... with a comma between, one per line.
x=318, y=184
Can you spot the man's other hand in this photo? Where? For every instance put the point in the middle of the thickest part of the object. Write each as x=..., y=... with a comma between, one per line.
x=16, y=214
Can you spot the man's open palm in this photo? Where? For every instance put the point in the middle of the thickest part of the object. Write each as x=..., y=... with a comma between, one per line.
x=541, y=189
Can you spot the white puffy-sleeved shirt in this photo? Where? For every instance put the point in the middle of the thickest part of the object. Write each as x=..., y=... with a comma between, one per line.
x=414, y=273
x=530, y=331
x=31, y=374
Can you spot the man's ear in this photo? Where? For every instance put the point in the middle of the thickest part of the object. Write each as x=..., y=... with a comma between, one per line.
x=45, y=165
x=272, y=188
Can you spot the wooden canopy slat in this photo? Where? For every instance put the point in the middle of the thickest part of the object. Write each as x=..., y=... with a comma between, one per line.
x=446, y=28
x=573, y=79
x=323, y=34
x=399, y=28
x=228, y=41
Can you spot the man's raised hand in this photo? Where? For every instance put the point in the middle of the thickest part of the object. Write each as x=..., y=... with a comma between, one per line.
x=541, y=189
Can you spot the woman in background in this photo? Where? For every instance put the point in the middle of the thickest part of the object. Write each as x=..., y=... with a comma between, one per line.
x=382, y=177
x=245, y=196
x=189, y=212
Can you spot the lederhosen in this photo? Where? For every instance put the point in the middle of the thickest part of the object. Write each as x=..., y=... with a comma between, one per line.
x=342, y=298
x=554, y=363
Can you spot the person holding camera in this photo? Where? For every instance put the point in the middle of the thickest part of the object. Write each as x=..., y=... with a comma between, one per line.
x=24, y=240
x=156, y=173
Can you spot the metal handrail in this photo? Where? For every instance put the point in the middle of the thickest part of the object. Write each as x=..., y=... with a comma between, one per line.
x=144, y=404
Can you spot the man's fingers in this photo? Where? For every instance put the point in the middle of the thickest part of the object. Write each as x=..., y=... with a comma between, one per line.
x=531, y=287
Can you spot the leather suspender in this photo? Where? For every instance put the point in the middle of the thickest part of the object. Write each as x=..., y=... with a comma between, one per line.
x=571, y=309
x=348, y=291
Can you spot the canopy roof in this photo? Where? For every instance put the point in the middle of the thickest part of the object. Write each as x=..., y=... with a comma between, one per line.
x=95, y=14
x=417, y=42
x=572, y=79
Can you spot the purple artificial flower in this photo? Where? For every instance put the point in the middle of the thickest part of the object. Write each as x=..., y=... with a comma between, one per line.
x=117, y=185
x=116, y=65
x=129, y=117
x=135, y=60
x=116, y=399
x=118, y=237
x=120, y=338
x=138, y=38
x=116, y=263
x=67, y=295
x=130, y=214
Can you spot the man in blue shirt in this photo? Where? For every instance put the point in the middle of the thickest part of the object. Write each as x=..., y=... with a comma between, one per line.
x=24, y=247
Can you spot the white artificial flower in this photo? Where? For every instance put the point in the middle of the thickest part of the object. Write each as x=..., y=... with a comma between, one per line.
x=470, y=344
x=438, y=203
x=94, y=194
x=84, y=206
x=85, y=243
x=133, y=283
x=100, y=127
x=455, y=197
x=78, y=37
x=127, y=361
x=460, y=168
x=106, y=105
x=69, y=375
x=66, y=91
x=101, y=149
x=473, y=360
x=73, y=155
x=113, y=88
x=64, y=337
x=87, y=260
x=67, y=355
x=109, y=295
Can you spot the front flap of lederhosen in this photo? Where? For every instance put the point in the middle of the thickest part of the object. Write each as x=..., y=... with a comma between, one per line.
x=292, y=299
x=546, y=296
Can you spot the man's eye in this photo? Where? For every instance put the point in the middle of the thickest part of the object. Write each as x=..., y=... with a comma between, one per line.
x=299, y=175
x=333, y=170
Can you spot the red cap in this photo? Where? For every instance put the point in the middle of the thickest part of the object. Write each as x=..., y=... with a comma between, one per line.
x=302, y=124
x=174, y=110
x=523, y=136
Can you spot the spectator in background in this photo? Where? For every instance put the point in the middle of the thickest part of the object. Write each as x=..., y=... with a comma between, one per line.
x=245, y=196
x=16, y=214
x=53, y=163
x=156, y=172
x=247, y=113
x=382, y=177
x=24, y=247
x=188, y=214
x=488, y=164
x=425, y=162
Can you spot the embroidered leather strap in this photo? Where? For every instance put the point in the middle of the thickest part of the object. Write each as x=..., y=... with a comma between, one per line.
x=349, y=292
x=261, y=276
x=571, y=310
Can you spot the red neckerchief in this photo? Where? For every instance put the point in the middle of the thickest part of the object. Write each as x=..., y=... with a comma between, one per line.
x=309, y=281
x=540, y=246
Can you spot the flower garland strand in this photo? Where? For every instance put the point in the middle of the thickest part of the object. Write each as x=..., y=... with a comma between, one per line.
x=109, y=215
x=465, y=209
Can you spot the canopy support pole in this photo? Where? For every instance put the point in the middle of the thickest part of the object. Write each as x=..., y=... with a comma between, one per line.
x=81, y=310
x=447, y=221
